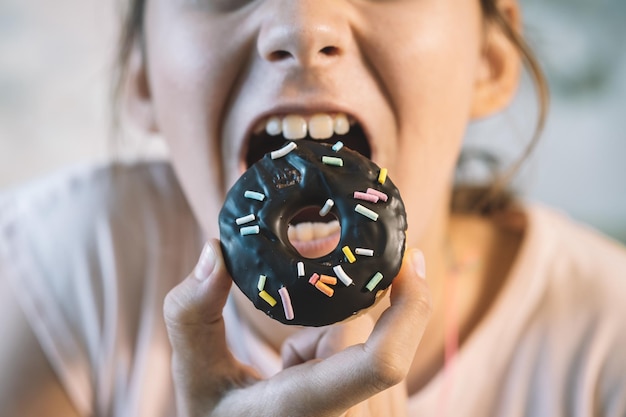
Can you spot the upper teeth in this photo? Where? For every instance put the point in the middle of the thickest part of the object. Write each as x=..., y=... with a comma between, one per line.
x=318, y=126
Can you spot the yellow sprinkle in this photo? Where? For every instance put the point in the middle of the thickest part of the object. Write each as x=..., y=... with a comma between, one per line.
x=268, y=298
x=382, y=177
x=349, y=256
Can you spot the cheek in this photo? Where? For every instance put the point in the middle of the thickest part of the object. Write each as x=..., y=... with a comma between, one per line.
x=190, y=71
x=429, y=75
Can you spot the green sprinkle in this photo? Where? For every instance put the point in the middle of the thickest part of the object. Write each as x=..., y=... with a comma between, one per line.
x=254, y=195
x=261, y=283
x=366, y=212
x=250, y=230
x=332, y=160
x=374, y=281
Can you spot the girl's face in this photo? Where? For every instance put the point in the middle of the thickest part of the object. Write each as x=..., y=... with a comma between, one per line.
x=409, y=73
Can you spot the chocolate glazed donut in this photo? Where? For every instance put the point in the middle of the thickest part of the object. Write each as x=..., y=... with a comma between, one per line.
x=272, y=273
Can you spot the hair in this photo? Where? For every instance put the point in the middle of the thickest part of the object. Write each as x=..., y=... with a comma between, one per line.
x=482, y=199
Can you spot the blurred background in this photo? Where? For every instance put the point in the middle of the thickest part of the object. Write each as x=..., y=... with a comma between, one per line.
x=55, y=67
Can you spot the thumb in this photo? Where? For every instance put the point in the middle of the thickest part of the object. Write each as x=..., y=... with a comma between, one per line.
x=193, y=309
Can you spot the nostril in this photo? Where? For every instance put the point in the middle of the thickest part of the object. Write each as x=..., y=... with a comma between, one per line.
x=279, y=55
x=330, y=51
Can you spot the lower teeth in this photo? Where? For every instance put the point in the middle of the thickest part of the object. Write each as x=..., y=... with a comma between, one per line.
x=309, y=231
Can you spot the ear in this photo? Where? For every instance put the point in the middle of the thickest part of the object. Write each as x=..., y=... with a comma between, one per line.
x=139, y=98
x=500, y=65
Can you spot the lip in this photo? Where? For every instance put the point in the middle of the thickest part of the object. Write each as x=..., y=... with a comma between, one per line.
x=304, y=110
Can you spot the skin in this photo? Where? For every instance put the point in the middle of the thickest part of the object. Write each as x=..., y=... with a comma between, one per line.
x=414, y=73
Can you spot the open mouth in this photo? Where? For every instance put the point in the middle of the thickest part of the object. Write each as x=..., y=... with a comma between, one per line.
x=311, y=234
x=271, y=134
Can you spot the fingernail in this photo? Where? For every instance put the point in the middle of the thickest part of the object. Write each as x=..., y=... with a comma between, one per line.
x=205, y=264
x=419, y=263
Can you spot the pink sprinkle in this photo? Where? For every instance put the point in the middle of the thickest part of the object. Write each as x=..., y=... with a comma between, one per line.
x=378, y=194
x=314, y=278
x=367, y=197
x=284, y=296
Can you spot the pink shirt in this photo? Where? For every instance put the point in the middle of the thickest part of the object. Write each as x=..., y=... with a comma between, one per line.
x=91, y=252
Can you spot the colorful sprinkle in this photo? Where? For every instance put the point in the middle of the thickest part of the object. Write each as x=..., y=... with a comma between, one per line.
x=314, y=278
x=261, y=284
x=374, y=281
x=364, y=252
x=382, y=177
x=268, y=298
x=249, y=230
x=328, y=280
x=284, y=150
x=245, y=219
x=366, y=197
x=324, y=288
x=284, y=296
x=341, y=274
x=337, y=146
x=300, y=269
x=332, y=160
x=349, y=255
x=254, y=195
x=366, y=212
x=382, y=196
x=327, y=207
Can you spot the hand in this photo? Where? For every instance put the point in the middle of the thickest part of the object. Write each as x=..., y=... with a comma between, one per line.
x=330, y=377
x=314, y=344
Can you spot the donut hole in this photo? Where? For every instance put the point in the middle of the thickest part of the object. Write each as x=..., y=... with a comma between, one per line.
x=314, y=236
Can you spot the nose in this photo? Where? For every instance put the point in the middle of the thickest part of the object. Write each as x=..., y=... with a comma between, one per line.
x=305, y=33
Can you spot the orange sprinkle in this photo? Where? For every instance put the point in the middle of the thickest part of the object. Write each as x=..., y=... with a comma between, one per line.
x=328, y=280
x=324, y=288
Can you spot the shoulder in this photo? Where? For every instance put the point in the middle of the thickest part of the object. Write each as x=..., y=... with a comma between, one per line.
x=89, y=254
x=581, y=312
x=94, y=188
x=73, y=202
x=581, y=261
x=92, y=220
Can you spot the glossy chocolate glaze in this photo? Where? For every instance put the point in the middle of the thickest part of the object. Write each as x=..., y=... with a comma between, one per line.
x=291, y=183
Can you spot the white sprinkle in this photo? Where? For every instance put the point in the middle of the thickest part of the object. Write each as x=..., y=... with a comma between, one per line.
x=341, y=274
x=337, y=146
x=249, y=230
x=327, y=207
x=366, y=212
x=284, y=150
x=245, y=219
x=364, y=252
x=254, y=195
x=300, y=269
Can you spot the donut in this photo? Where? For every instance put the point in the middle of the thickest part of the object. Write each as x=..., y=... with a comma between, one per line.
x=338, y=182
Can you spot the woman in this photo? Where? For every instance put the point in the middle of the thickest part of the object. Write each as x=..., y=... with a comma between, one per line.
x=530, y=301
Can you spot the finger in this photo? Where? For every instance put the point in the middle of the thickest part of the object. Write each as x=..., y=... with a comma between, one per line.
x=193, y=309
x=361, y=371
x=323, y=342
x=407, y=317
